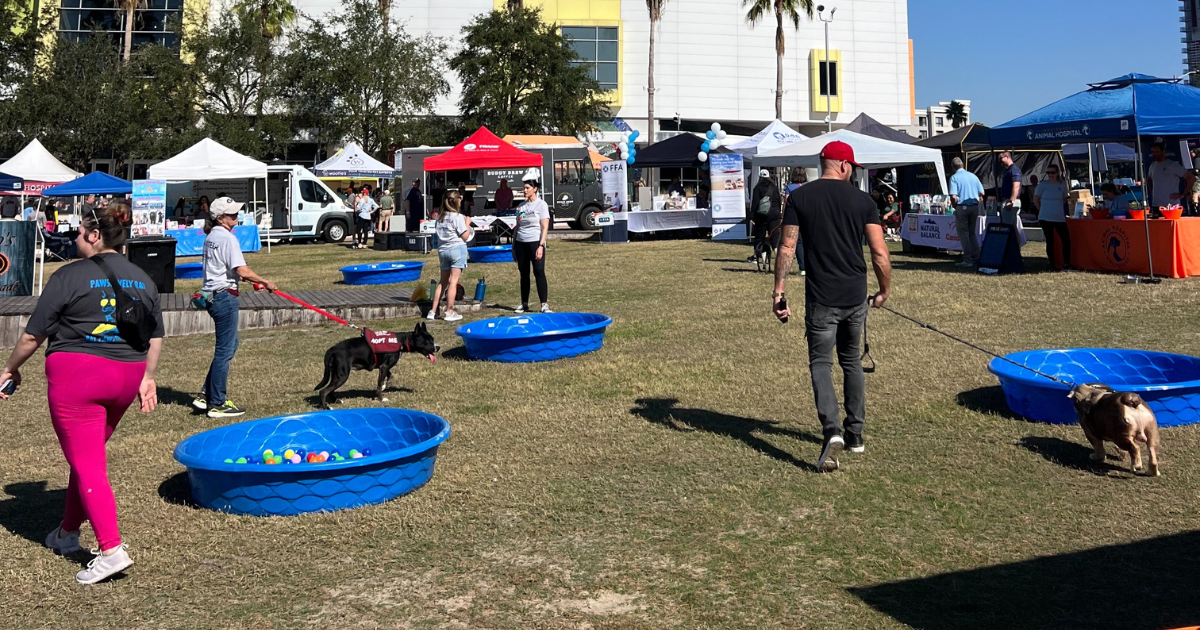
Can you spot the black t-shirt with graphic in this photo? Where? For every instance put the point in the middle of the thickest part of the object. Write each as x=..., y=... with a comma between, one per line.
x=77, y=309
x=833, y=216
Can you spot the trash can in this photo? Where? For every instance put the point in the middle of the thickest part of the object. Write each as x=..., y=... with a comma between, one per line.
x=154, y=255
x=618, y=232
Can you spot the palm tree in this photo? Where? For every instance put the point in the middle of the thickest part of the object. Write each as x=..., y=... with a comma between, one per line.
x=656, y=11
x=957, y=113
x=515, y=5
x=129, y=7
x=781, y=8
x=270, y=15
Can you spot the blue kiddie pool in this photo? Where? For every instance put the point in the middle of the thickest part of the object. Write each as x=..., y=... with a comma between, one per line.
x=534, y=337
x=490, y=254
x=189, y=271
x=1169, y=383
x=383, y=273
x=402, y=444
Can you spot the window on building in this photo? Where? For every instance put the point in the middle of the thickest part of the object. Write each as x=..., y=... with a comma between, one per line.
x=598, y=51
x=922, y=121
x=828, y=77
x=154, y=22
x=939, y=121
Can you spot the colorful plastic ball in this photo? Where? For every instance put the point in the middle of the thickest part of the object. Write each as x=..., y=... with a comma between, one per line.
x=353, y=451
x=355, y=455
x=240, y=460
x=324, y=454
x=250, y=459
x=338, y=458
x=296, y=459
x=268, y=454
x=366, y=452
x=228, y=461
x=288, y=454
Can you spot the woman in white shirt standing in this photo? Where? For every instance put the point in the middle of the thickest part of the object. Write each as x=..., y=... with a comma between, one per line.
x=453, y=234
x=1050, y=198
x=529, y=246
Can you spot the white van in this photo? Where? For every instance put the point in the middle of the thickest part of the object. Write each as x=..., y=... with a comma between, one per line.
x=302, y=207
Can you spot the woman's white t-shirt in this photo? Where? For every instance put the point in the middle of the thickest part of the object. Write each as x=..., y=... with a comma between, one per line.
x=1053, y=198
x=450, y=226
x=529, y=220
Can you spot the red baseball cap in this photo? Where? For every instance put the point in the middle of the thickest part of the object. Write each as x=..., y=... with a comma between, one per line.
x=838, y=150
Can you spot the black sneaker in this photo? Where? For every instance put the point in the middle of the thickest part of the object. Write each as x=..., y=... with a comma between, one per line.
x=829, y=453
x=854, y=443
x=225, y=410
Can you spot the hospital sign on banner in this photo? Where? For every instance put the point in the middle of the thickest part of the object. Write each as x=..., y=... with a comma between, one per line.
x=728, y=192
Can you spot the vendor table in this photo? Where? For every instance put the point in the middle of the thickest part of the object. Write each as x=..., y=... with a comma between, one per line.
x=659, y=220
x=190, y=241
x=939, y=230
x=486, y=221
x=1120, y=246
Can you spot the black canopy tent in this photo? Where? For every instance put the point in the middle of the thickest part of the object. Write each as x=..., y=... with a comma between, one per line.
x=972, y=144
x=677, y=152
x=868, y=126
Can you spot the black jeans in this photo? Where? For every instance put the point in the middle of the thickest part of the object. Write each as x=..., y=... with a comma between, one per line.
x=526, y=256
x=361, y=228
x=1049, y=229
x=827, y=328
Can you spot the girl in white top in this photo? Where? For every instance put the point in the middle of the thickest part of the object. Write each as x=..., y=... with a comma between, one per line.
x=529, y=246
x=453, y=234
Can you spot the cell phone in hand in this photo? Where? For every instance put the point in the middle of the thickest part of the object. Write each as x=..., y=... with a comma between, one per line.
x=8, y=387
x=783, y=307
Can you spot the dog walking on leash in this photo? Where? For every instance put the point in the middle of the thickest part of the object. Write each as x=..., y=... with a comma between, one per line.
x=832, y=217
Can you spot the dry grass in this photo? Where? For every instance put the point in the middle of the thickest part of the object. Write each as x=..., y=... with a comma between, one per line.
x=660, y=483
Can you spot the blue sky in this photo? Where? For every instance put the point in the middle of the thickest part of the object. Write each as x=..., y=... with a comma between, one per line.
x=1010, y=58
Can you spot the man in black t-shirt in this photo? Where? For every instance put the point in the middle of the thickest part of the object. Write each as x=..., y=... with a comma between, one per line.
x=832, y=217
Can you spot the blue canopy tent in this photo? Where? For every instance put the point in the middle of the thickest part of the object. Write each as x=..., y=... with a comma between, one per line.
x=96, y=183
x=1118, y=110
x=11, y=184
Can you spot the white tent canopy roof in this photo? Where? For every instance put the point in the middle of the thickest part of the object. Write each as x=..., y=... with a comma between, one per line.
x=352, y=161
x=869, y=152
x=773, y=136
x=35, y=163
x=208, y=160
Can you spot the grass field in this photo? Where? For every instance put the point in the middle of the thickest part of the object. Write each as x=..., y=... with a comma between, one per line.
x=663, y=482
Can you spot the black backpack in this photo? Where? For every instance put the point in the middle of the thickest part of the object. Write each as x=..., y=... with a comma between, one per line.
x=135, y=322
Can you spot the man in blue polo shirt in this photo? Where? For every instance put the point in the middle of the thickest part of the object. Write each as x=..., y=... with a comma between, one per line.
x=966, y=193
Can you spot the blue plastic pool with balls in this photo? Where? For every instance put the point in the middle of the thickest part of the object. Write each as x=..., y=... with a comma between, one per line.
x=399, y=448
x=189, y=271
x=1169, y=383
x=490, y=254
x=383, y=273
x=534, y=337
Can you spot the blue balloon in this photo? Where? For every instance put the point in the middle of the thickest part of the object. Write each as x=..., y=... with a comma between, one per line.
x=711, y=135
x=634, y=134
x=706, y=146
x=630, y=160
x=704, y=166
x=632, y=151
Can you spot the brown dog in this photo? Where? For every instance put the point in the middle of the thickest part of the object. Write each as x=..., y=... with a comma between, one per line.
x=1120, y=418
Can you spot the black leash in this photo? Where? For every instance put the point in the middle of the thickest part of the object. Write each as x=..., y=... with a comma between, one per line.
x=965, y=343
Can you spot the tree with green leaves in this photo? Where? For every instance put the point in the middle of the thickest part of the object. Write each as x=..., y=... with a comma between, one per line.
x=656, y=12
x=957, y=113
x=520, y=75
x=339, y=80
x=790, y=9
x=271, y=16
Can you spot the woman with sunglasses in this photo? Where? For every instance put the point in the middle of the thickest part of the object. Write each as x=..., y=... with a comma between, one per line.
x=529, y=246
x=1050, y=198
x=93, y=376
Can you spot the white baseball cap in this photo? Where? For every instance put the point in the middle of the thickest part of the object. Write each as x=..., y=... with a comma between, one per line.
x=532, y=174
x=764, y=173
x=223, y=206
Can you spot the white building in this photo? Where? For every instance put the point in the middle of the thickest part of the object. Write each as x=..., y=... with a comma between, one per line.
x=933, y=120
x=710, y=64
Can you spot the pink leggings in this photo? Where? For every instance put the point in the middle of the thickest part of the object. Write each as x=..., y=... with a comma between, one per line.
x=88, y=395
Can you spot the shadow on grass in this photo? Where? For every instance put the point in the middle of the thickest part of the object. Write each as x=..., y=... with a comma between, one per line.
x=32, y=511
x=665, y=411
x=1068, y=454
x=457, y=353
x=988, y=401
x=177, y=491
x=748, y=270
x=169, y=396
x=726, y=260
x=343, y=394
x=1144, y=585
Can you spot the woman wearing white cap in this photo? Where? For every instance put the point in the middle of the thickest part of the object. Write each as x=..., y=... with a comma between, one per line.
x=529, y=245
x=224, y=266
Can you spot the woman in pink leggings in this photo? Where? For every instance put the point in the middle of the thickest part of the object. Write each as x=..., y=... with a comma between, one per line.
x=94, y=375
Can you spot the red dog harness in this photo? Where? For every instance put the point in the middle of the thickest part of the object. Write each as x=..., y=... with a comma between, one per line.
x=384, y=342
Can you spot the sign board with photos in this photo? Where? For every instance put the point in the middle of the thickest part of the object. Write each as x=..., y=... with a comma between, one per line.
x=149, y=208
x=615, y=186
x=728, y=186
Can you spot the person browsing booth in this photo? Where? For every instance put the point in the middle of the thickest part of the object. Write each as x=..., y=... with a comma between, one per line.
x=966, y=193
x=832, y=217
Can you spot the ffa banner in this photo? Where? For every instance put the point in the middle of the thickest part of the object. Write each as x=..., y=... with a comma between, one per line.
x=1120, y=246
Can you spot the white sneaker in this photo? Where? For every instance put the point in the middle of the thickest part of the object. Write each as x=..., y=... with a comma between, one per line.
x=63, y=543
x=546, y=308
x=829, y=453
x=521, y=309
x=432, y=315
x=452, y=317
x=103, y=567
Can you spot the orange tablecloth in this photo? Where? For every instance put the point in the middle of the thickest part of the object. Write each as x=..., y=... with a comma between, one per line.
x=1120, y=246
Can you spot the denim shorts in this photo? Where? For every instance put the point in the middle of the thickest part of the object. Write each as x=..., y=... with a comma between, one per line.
x=453, y=258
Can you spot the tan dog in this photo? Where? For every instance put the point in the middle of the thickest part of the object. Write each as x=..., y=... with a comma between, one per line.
x=1120, y=418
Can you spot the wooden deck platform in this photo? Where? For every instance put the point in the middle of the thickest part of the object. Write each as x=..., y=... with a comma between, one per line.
x=258, y=310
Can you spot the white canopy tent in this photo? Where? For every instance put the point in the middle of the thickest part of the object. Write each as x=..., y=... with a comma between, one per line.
x=772, y=137
x=352, y=161
x=209, y=160
x=34, y=163
x=868, y=151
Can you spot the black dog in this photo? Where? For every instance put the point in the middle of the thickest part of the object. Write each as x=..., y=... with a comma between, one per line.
x=356, y=354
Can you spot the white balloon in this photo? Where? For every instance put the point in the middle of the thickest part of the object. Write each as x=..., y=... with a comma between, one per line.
x=714, y=143
x=716, y=126
x=721, y=135
x=703, y=157
x=624, y=155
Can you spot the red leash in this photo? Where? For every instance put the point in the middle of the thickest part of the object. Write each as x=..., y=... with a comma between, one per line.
x=259, y=287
